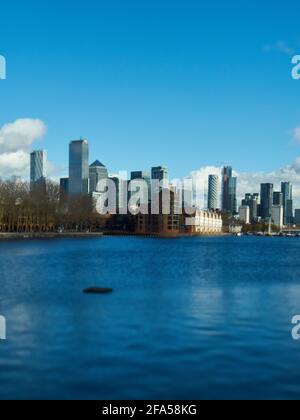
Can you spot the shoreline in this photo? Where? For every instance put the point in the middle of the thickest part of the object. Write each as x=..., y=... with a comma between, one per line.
x=13, y=236
x=88, y=235
x=49, y=235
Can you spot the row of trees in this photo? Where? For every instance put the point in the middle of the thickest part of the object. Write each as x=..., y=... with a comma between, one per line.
x=43, y=208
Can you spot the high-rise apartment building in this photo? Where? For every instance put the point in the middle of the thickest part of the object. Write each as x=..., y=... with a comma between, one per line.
x=229, y=186
x=79, y=167
x=213, y=192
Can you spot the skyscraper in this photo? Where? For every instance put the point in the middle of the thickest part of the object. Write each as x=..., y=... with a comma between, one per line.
x=160, y=173
x=213, y=192
x=229, y=185
x=38, y=166
x=287, y=202
x=145, y=176
x=64, y=186
x=140, y=175
x=266, y=200
x=79, y=167
x=277, y=198
x=251, y=200
x=97, y=171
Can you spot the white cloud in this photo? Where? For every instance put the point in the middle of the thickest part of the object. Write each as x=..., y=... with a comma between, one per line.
x=21, y=134
x=16, y=141
x=15, y=163
x=279, y=46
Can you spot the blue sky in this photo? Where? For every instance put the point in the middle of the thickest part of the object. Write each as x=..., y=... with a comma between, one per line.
x=182, y=83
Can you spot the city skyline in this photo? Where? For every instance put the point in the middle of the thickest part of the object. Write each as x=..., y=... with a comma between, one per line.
x=221, y=193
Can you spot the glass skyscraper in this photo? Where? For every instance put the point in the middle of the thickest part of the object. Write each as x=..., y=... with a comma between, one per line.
x=213, y=192
x=38, y=166
x=287, y=202
x=277, y=198
x=229, y=185
x=79, y=167
x=145, y=176
x=266, y=200
x=160, y=173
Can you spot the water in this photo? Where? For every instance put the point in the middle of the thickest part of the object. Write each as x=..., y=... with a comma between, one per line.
x=189, y=318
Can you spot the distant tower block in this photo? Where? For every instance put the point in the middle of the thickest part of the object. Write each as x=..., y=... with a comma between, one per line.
x=79, y=167
x=213, y=192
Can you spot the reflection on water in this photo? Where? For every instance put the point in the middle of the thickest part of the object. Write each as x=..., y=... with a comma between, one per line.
x=189, y=318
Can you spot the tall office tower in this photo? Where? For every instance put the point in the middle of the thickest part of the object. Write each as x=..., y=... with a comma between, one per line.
x=213, y=192
x=160, y=173
x=266, y=200
x=251, y=200
x=79, y=167
x=142, y=175
x=287, y=197
x=229, y=184
x=38, y=166
x=277, y=198
x=64, y=185
x=97, y=172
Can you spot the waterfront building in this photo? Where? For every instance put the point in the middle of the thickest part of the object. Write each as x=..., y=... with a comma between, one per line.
x=213, y=192
x=97, y=172
x=266, y=200
x=204, y=222
x=287, y=193
x=251, y=200
x=79, y=167
x=277, y=216
x=229, y=187
x=162, y=224
x=38, y=167
x=244, y=214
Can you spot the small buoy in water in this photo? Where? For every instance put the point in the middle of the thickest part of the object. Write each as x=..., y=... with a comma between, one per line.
x=97, y=290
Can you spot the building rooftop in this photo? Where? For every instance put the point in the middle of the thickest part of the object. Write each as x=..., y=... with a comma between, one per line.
x=97, y=164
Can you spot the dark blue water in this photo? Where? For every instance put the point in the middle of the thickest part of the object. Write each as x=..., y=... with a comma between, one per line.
x=189, y=318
